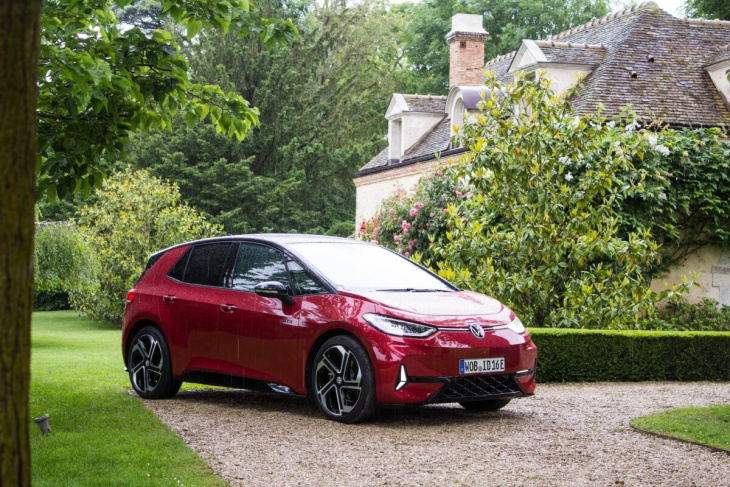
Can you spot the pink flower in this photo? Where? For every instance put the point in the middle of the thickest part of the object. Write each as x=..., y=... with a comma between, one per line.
x=405, y=231
x=392, y=210
x=413, y=211
x=430, y=244
x=419, y=205
x=446, y=210
x=400, y=251
x=396, y=238
x=410, y=245
x=438, y=172
x=458, y=193
x=432, y=214
x=408, y=254
x=428, y=225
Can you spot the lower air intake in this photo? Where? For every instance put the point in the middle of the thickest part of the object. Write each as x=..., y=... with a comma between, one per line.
x=481, y=386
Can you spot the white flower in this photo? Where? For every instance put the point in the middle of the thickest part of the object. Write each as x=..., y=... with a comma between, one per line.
x=632, y=126
x=568, y=177
x=564, y=159
x=663, y=150
x=611, y=124
x=652, y=139
x=575, y=123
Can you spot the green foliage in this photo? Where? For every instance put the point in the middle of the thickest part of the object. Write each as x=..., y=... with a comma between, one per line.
x=62, y=261
x=99, y=83
x=410, y=221
x=706, y=426
x=686, y=197
x=615, y=356
x=132, y=216
x=50, y=301
x=543, y=234
x=426, y=48
x=706, y=315
x=321, y=101
x=708, y=9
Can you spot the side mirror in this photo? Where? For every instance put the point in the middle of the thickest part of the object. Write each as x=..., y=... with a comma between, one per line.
x=274, y=289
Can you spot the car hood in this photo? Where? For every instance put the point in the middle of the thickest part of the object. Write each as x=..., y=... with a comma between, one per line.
x=443, y=304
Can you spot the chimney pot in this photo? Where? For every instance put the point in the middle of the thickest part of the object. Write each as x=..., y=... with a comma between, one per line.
x=466, y=50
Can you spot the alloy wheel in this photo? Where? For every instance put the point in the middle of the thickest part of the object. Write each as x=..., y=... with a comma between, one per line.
x=338, y=380
x=145, y=363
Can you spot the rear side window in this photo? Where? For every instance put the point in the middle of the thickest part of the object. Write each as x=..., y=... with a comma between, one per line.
x=205, y=264
x=256, y=264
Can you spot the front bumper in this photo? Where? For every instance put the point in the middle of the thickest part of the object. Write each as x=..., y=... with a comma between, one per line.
x=419, y=371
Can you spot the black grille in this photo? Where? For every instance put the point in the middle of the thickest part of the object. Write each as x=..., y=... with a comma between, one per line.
x=486, y=386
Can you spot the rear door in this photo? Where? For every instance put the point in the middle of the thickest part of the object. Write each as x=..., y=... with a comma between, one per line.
x=190, y=306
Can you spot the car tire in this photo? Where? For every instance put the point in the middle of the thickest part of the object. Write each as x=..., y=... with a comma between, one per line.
x=485, y=405
x=150, y=366
x=342, y=380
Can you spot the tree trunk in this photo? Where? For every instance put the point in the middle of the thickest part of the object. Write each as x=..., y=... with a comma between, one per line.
x=19, y=40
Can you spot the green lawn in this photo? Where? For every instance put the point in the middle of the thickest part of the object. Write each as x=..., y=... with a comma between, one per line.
x=707, y=426
x=102, y=435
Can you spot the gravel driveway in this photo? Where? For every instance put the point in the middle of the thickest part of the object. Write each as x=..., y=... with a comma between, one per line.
x=568, y=434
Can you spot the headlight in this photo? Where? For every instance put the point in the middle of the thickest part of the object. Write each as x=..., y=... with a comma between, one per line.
x=400, y=328
x=516, y=326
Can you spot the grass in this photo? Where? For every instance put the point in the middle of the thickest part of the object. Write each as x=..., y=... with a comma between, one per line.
x=707, y=426
x=102, y=436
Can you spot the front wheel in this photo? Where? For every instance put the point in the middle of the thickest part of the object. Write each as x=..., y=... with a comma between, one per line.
x=149, y=365
x=485, y=405
x=343, y=383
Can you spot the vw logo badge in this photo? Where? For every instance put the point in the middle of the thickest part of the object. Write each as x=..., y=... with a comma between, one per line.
x=476, y=330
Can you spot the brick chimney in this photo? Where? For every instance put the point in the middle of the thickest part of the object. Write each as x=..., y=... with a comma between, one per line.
x=466, y=50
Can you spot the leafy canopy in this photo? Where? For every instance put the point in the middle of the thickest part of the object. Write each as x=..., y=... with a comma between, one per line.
x=132, y=216
x=544, y=234
x=99, y=82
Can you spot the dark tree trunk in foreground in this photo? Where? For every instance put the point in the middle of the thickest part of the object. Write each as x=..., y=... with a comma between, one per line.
x=19, y=38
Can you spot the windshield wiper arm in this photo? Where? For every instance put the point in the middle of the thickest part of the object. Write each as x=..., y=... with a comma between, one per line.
x=412, y=290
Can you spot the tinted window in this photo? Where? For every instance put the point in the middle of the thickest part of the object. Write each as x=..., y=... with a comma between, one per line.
x=256, y=264
x=206, y=263
x=362, y=267
x=304, y=283
x=178, y=270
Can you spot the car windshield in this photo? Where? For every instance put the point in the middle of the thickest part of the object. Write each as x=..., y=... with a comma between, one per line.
x=361, y=268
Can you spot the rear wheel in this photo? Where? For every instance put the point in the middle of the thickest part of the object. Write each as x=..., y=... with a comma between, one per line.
x=485, y=405
x=149, y=365
x=342, y=382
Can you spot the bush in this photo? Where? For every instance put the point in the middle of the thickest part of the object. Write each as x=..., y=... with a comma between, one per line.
x=62, y=262
x=707, y=315
x=542, y=233
x=133, y=216
x=411, y=221
x=602, y=355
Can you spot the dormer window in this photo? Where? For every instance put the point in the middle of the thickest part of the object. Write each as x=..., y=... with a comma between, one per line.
x=718, y=73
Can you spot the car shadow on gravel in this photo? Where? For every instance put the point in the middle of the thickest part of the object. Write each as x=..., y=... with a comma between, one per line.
x=423, y=416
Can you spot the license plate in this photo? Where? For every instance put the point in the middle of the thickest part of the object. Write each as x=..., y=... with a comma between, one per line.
x=481, y=365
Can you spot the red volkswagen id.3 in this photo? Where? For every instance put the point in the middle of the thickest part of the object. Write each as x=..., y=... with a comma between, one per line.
x=351, y=324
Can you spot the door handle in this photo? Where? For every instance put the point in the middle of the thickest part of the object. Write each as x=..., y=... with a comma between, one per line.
x=169, y=298
x=228, y=308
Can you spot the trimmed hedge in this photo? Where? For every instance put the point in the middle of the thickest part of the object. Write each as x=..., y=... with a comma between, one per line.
x=572, y=355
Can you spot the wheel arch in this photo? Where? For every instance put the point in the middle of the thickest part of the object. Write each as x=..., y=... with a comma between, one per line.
x=318, y=344
x=133, y=331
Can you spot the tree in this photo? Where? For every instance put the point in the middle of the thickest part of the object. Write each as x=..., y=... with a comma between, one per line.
x=132, y=216
x=709, y=9
x=19, y=35
x=543, y=234
x=508, y=22
x=321, y=101
x=99, y=84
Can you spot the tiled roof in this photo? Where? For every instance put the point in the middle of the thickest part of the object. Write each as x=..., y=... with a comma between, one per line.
x=425, y=103
x=437, y=140
x=645, y=57
x=378, y=161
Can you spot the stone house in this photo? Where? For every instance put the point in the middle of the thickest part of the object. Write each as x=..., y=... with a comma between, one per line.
x=665, y=67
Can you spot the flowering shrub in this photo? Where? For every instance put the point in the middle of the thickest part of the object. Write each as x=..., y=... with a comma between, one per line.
x=411, y=221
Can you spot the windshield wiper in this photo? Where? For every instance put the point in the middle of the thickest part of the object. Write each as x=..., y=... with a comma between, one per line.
x=412, y=290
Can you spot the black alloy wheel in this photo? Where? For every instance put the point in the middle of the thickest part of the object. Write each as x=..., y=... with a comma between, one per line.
x=342, y=382
x=149, y=365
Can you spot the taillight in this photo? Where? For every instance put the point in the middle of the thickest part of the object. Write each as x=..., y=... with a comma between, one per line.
x=130, y=295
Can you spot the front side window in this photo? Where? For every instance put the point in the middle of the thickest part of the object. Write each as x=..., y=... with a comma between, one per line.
x=304, y=283
x=204, y=265
x=256, y=264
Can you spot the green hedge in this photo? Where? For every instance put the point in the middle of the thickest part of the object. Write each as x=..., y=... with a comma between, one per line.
x=570, y=355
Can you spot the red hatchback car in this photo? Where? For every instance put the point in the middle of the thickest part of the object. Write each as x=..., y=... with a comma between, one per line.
x=351, y=324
